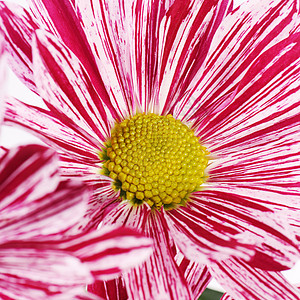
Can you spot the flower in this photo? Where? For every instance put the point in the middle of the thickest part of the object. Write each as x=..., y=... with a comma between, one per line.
x=39, y=258
x=231, y=76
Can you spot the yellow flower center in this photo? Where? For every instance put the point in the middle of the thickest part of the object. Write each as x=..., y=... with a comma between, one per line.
x=154, y=159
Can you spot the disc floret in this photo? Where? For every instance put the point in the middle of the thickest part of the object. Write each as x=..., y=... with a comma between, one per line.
x=154, y=159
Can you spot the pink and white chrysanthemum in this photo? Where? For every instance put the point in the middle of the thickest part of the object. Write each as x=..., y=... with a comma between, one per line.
x=227, y=79
x=38, y=258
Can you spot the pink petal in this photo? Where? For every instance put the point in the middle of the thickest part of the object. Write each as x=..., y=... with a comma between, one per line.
x=31, y=273
x=159, y=277
x=221, y=222
x=109, y=251
x=110, y=290
x=196, y=275
x=32, y=203
x=60, y=18
x=242, y=38
x=2, y=79
x=86, y=296
x=18, y=27
x=266, y=100
x=136, y=47
x=64, y=135
x=65, y=85
x=226, y=297
x=201, y=236
x=246, y=283
x=189, y=27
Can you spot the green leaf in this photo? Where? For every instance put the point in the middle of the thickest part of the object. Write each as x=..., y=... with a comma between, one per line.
x=209, y=294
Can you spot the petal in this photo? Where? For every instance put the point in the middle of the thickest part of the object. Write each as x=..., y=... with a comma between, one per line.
x=244, y=282
x=2, y=79
x=33, y=202
x=31, y=168
x=196, y=275
x=18, y=27
x=137, y=43
x=201, y=236
x=38, y=273
x=109, y=290
x=266, y=100
x=159, y=277
x=247, y=222
x=65, y=85
x=239, y=42
x=226, y=297
x=186, y=39
x=109, y=251
x=64, y=135
x=60, y=18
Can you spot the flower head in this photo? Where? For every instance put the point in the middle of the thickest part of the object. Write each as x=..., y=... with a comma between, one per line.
x=115, y=75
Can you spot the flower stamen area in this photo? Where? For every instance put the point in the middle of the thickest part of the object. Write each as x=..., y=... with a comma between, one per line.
x=154, y=159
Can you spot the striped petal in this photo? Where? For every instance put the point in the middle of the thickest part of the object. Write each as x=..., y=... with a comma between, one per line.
x=219, y=224
x=110, y=290
x=62, y=135
x=159, y=277
x=61, y=19
x=2, y=79
x=107, y=252
x=65, y=85
x=18, y=27
x=31, y=273
x=137, y=43
x=246, y=283
x=266, y=100
x=239, y=42
x=197, y=276
x=33, y=202
x=226, y=297
x=201, y=237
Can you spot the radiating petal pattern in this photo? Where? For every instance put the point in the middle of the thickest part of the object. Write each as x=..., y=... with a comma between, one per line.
x=230, y=74
x=246, y=283
x=61, y=18
x=161, y=269
x=149, y=37
x=237, y=45
x=200, y=236
x=65, y=85
x=213, y=216
x=60, y=135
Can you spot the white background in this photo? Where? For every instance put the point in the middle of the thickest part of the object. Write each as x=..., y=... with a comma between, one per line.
x=11, y=137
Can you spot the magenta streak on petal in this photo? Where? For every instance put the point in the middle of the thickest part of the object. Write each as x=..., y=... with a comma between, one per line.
x=33, y=216
x=197, y=55
x=18, y=28
x=67, y=25
x=234, y=50
x=244, y=282
x=285, y=63
x=159, y=277
x=110, y=290
x=62, y=78
x=21, y=166
x=52, y=131
x=196, y=275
